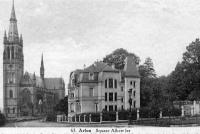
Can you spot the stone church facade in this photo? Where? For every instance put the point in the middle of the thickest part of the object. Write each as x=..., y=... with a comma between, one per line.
x=26, y=94
x=102, y=87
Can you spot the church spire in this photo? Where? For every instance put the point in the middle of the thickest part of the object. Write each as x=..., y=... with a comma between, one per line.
x=42, y=68
x=13, y=31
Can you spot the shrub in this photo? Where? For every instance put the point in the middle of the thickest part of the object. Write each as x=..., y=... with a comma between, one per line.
x=51, y=117
x=2, y=119
x=109, y=116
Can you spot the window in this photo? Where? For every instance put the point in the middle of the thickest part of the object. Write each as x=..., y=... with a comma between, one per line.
x=115, y=83
x=131, y=82
x=106, y=83
x=110, y=96
x=91, y=76
x=122, y=89
x=106, y=108
x=8, y=110
x=116, y=96
x=115, y=107
x=13, y=110
x=122, y=99
x=8, y=52
x=122, y=107
x=111, y=83
x=105, y=96
x=91, y=92
x=111, y=108
x=134, y=93
x=134, y=84
x=12, y=54
x=134, y=104
x=11, y=94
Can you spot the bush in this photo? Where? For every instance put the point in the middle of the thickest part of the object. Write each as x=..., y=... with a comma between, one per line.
x=2, y=119
x=109, y=116
x=51, y=117
x=172, y=112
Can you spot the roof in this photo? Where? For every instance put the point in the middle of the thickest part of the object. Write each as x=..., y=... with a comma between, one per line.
x=54, y=83
x=99, y=67
x=130, y=67
x=49, y=83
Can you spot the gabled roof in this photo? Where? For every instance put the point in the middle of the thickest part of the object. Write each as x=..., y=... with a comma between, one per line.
x=130, y=67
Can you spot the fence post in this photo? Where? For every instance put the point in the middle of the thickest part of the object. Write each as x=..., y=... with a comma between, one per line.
x=68, y=119
x=84, y=118
x=101, y=117
x=182, y=111
x=90, y=120
x=138, y=114
x=160, y=114
x=57, y=117
x=117, y=116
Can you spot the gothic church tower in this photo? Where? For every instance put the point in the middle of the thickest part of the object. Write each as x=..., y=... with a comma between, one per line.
x=13, y=67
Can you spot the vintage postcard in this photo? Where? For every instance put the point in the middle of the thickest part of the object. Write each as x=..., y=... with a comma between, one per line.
x=99, y=66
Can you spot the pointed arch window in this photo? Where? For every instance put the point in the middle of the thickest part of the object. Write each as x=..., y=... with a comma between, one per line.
x=11, y=94
x=12, y=52
x=8, y=52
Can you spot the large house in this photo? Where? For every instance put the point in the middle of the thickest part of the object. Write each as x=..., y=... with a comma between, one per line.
x=102, y=87
x=26, y=94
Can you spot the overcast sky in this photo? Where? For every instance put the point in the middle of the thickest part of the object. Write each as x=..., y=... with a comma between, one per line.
x=71, y=33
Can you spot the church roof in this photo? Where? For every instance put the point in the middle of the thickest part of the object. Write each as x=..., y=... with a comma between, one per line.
x=49, y=83
x=54, y=83
x=130, y=67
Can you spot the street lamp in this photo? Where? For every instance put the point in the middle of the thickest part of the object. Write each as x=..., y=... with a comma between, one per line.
x=130, y=103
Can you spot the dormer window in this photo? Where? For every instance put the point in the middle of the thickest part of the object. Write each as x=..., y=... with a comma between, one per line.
x=91, y=76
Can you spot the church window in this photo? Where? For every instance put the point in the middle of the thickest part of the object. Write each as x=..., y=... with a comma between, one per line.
x=12, y=52
x=8, y=52
x=110, y=83
x=11, y=94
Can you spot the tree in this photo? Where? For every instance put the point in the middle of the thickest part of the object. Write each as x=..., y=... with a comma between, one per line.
x=117, y=58
x=184, y=81
x=148, y=75
x=62, y=106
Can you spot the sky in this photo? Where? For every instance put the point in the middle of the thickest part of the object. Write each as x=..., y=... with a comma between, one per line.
x=71, y=33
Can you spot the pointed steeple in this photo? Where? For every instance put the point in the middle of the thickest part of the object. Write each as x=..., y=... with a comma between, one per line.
x=5, y=37
x=42, y=68
x=13, y=31
x=13, y=16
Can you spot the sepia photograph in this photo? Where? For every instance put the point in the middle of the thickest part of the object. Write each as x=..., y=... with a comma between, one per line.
x=99, y=66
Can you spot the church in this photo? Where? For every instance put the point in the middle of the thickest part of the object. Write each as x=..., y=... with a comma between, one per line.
x=26, y=94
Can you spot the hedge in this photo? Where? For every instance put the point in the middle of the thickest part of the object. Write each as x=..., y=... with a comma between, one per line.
x=2, y=119
x=51, y=117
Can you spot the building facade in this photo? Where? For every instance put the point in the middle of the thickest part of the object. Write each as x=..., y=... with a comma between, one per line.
x=102, y=87
x=25, y=93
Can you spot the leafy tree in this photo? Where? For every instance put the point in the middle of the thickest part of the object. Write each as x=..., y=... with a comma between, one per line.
x=184, y=81
x=117, y=58
x=62, y=106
